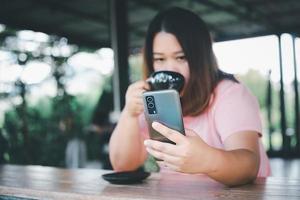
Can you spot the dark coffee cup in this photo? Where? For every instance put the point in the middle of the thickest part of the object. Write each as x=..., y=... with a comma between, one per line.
x=162, y=80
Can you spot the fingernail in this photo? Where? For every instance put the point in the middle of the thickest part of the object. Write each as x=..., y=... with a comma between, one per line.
x=154, y=124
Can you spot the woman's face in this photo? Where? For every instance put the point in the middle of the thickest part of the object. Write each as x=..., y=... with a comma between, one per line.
x=168, y=55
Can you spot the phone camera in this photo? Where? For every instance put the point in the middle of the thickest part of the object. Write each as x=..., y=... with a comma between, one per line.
x=149, y=99
x=151, y=105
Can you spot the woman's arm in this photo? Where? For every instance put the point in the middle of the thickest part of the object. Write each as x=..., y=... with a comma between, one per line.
x=126, y=148
x=239, y=162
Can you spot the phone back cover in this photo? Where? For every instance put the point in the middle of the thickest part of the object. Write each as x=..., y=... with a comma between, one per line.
x=169, y=112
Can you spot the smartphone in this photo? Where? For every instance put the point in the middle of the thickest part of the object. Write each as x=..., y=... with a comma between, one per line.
x=163, y=106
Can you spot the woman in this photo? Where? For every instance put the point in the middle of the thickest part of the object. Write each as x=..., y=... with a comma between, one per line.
x=221, y=116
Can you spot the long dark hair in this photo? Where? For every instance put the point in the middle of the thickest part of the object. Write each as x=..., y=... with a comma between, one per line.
x=195, y=40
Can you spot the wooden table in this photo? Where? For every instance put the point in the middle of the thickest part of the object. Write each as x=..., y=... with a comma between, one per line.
x=37, y=182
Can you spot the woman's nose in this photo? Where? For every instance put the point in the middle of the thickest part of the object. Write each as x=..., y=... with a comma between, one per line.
x=170, y=66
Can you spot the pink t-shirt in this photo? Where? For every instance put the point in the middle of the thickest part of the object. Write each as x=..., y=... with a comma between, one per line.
x=234, y=110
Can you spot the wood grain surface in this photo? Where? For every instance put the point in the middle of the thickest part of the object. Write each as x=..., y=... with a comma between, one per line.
x=37, y=182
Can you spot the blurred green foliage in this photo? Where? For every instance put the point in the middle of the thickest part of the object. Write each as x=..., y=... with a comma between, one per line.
x=257, y=83
x=47, y=132
x=50, y=124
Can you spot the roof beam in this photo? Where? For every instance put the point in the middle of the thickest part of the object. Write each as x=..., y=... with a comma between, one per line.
x=233, y=11
x=153, y=5
x=73, y=38
x=288, y=29
x=156, y=7
x=19, y=8
x=262, y=2
x=57, y=5
x=254, y=12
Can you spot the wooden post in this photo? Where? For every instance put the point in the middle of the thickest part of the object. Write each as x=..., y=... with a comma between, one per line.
x=296, y=122
x=285, y=139
x=119, y=43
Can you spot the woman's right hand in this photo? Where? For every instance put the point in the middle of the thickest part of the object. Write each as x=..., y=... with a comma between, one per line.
x=134, y=102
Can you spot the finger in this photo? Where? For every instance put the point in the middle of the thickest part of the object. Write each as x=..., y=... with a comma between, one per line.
x=138, y=106
x=140, y=109
x=138, y=101
x=168, y=165
x=164, y=147
x=141, y=85
x=135, y=86
x=138, y=93
x=171, y=166
x=169, y=133
x=162, y=156
x=147, y=86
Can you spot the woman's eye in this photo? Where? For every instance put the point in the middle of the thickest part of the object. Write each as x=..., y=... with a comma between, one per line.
x=181, y=58
x=158, y=59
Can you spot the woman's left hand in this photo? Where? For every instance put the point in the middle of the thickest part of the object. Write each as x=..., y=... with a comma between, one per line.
x=190, y=154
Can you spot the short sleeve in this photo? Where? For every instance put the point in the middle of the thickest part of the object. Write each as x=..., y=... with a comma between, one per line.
x=236, y=110
x=143, y=126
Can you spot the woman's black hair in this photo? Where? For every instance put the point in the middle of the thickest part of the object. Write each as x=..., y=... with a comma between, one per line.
x=194, y=37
